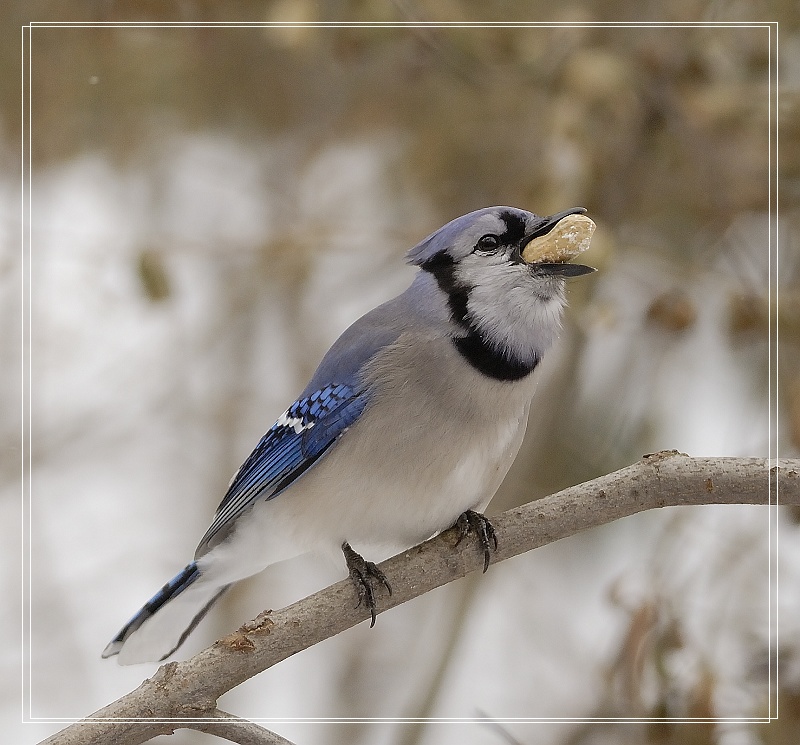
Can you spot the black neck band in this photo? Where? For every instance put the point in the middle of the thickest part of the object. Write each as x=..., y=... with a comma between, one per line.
x=473, y=347
x=487, y=360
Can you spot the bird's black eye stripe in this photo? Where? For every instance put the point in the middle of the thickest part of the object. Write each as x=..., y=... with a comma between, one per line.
x=515, y=228
x=488, y=243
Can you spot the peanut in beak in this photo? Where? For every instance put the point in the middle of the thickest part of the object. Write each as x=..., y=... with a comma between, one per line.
x=568, y=238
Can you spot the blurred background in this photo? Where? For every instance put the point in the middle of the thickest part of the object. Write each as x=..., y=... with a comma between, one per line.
x=212, y=206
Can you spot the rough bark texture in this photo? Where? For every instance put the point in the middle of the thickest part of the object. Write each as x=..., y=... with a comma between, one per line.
x=185, y=693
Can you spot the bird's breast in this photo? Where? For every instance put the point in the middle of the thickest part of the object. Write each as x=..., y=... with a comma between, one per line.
x=434, y=441
x=481, y=466
x=438, y=439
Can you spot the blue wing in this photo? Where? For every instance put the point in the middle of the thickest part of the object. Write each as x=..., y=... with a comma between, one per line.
x=300, y=437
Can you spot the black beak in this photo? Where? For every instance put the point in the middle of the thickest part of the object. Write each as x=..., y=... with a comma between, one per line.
x=563, y=270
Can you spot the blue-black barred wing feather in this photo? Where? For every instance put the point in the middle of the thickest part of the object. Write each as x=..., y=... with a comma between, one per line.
x=300, y=437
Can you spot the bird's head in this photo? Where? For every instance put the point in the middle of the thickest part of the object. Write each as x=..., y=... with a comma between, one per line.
x=502, y=272
x=496, y=237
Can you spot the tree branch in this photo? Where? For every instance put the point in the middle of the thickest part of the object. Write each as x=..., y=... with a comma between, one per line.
x=237, y=730
x=185, y=693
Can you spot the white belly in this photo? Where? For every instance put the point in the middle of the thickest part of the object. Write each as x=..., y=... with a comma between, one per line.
x=378, y=510
x=403, y=472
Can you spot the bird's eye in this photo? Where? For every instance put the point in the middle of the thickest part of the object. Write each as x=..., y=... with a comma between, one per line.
x=488, y=243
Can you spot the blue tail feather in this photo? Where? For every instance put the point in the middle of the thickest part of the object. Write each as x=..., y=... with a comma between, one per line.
x=173, y=588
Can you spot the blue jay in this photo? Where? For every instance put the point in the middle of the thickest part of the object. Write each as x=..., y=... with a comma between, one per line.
x=408, y=426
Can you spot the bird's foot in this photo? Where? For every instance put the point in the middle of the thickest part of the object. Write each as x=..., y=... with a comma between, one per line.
x=474, y=522
x=366, y=577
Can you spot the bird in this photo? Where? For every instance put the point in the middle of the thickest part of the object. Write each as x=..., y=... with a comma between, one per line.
x=408, y=426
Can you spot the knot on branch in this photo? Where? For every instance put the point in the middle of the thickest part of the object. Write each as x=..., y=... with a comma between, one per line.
x=662, y=455
x=262, y=622
x=164, y=674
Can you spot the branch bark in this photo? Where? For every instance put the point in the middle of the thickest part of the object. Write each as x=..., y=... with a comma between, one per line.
x=237, y=730
x=185, y=693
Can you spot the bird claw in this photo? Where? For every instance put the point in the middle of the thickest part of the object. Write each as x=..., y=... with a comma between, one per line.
x=474, y=522
x=365, y=576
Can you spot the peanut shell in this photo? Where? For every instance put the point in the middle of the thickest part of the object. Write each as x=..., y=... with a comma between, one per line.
x=570, y=237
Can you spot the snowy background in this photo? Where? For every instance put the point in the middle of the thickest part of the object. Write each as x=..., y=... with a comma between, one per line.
x=211, y=207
